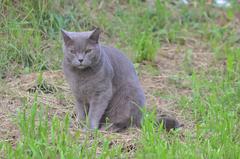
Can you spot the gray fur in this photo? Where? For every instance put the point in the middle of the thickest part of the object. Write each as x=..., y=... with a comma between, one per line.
x=104, y=83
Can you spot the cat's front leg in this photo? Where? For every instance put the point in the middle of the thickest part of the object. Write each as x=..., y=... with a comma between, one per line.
x=81, y=112
x=97, y=108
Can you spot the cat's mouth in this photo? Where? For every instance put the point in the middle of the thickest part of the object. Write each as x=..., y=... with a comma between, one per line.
x=81, y=66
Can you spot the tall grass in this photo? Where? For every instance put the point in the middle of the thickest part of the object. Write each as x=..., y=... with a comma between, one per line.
x=41, y=138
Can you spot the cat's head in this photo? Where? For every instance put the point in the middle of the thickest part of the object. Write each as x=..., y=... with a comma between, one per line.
x=81, y=49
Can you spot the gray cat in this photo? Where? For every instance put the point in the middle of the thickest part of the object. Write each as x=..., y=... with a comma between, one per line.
x=103, y=81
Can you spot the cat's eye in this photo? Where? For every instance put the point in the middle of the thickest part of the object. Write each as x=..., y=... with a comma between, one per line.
x=72, y=51
x=88, y=50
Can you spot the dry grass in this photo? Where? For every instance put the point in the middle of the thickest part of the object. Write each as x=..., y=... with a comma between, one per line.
x=168, y=64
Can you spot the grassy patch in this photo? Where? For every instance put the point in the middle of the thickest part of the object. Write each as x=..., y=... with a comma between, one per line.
x=30, y=42
x=41, y=138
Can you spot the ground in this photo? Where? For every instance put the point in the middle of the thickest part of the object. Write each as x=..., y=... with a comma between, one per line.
x=187, y=58
x=162, y=81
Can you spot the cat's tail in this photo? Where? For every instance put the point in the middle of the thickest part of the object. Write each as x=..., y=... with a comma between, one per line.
x=168, y=123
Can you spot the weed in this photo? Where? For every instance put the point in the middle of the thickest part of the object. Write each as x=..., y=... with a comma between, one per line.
x=146, y=47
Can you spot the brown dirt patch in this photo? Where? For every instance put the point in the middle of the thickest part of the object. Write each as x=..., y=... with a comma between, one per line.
x=175, y=65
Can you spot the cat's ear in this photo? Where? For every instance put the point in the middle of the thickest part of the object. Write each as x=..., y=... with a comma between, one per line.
x=66, y=38
x=94, y=37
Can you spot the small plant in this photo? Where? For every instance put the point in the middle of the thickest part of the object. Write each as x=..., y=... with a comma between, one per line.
x=187, y=62
x=146, y=47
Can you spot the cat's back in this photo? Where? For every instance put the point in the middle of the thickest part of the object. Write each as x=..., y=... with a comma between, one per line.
x=123, y=67
x=124, y=71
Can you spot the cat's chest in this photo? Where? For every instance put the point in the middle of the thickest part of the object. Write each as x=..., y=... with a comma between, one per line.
x=88, y=86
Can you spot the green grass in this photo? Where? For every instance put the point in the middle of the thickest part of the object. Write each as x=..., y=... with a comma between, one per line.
x=41, y=138
x=30, y=42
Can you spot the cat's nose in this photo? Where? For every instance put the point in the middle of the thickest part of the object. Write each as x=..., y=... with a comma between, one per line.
x=80, y=60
